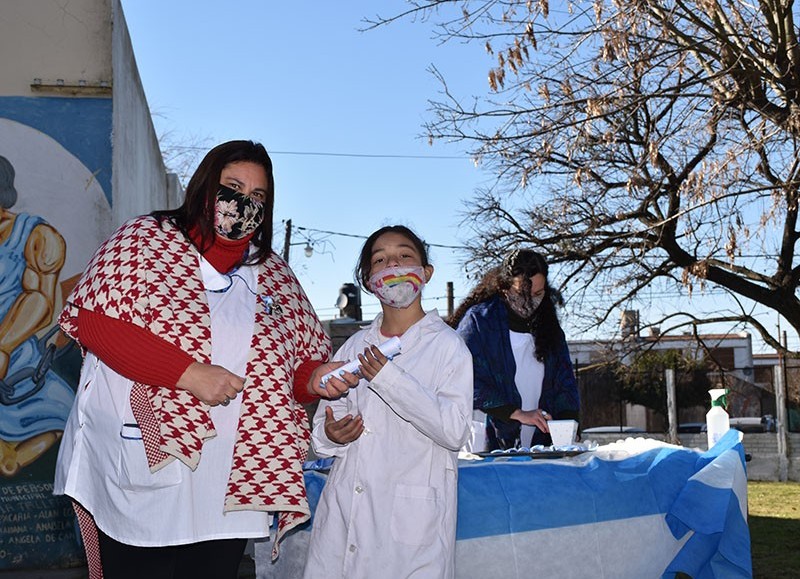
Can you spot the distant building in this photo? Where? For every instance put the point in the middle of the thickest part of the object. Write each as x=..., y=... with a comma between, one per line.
x=728, y=357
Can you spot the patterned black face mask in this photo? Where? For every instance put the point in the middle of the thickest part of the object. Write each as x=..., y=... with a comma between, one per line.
x=523, y=303
x=236, y=215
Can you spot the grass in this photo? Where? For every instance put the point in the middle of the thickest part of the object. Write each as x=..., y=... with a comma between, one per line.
x=774, y=520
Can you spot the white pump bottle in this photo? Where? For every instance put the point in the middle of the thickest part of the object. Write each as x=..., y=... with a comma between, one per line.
x=717, y=422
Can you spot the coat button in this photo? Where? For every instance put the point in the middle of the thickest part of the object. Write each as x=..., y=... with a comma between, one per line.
x=359, y=490
x=352, y=548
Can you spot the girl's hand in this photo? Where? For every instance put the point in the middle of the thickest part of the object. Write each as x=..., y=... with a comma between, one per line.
x=372, y=360
x=345, y=430
x=537, y=418
x=336, y=386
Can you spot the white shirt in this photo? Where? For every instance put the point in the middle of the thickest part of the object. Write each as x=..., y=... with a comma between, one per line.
x=102, y=464
x=528, y=378
x=389, y=504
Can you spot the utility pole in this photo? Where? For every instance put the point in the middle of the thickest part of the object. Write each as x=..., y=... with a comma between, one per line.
x=450, y=300
x=672, y=407
x=287, y=240
x=782, y=422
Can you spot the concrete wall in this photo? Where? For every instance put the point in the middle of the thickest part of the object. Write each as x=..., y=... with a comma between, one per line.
x=55, y=117
x=79, y=151
x=74, y=121
x=51, y=40
x=81, y=51
x=140, y=183
x=55, y=144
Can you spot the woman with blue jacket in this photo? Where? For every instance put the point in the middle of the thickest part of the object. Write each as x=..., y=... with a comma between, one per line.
x=523, y=375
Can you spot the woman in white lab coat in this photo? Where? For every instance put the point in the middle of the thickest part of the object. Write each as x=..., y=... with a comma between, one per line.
x=187, y=434
x=389, y=505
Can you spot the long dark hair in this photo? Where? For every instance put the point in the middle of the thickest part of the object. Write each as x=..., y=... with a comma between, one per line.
x=197, y=210
x=365, y=259
x=544, y=324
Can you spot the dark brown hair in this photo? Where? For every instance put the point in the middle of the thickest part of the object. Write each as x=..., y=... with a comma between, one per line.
x=365, y=259
x=544, y=325
x=197, y=209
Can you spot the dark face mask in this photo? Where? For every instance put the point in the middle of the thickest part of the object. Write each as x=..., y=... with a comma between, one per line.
x=520, y=300
x=235, y=214
x=522, y=305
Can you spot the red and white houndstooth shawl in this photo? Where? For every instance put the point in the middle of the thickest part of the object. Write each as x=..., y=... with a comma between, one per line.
x=147, y=274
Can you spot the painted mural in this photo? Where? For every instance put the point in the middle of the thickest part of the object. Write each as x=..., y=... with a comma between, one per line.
x=55, y=182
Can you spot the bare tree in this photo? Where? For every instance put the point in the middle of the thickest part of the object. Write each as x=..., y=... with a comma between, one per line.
x=182, y=154
x=639, y=144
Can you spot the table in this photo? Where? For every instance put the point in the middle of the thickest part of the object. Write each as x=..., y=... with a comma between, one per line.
x=634, y=509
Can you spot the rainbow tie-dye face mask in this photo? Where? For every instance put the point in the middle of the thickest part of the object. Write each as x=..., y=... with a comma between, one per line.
x=398, y=286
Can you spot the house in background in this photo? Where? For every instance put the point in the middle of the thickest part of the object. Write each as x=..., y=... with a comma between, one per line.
x=729, y=363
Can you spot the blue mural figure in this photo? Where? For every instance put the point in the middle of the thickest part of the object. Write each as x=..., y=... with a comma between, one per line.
x=34, y=400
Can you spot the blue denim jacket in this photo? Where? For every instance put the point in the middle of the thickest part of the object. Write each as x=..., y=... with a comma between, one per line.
x=484, y=328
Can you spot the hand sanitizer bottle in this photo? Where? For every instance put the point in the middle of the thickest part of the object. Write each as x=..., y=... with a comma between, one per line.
x=717, y=423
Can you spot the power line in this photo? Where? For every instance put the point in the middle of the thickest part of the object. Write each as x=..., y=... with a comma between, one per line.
x=356, y=236
x=369, y=155
x=330, y=154
x=462, y=247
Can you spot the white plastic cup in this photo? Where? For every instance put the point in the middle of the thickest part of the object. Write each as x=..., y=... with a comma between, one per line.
x=477, y=441
x=563, y=432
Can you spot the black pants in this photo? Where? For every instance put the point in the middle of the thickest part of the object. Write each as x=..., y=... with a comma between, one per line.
x=207, y=560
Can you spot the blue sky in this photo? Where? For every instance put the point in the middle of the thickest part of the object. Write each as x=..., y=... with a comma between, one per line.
x=341, y=112
x=301, y=78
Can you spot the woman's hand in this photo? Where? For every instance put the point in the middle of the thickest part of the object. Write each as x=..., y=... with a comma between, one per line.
x=336, y=386
x=537, y=418
x=210, y=383
x=372, y=360
x=345, y=430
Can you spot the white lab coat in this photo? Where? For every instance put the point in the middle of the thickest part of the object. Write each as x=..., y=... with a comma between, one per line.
x=388, y=508
x=102, y=464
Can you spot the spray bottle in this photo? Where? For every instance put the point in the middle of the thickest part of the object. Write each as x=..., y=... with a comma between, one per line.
x=717, y=423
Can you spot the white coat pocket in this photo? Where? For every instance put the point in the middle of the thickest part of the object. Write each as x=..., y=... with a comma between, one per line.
x=88, y=373
x=134, y=473
x=415, y=514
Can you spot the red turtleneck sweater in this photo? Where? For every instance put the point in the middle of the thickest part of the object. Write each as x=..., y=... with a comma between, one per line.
x=123, y=346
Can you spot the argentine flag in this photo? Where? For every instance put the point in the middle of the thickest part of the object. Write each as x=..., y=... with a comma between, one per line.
x=635, y=509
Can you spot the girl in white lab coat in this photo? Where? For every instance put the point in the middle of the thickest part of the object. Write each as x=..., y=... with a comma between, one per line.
x=388, y=508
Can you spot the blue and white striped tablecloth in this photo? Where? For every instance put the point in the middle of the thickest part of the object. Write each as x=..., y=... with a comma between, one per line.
x=635, y=509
